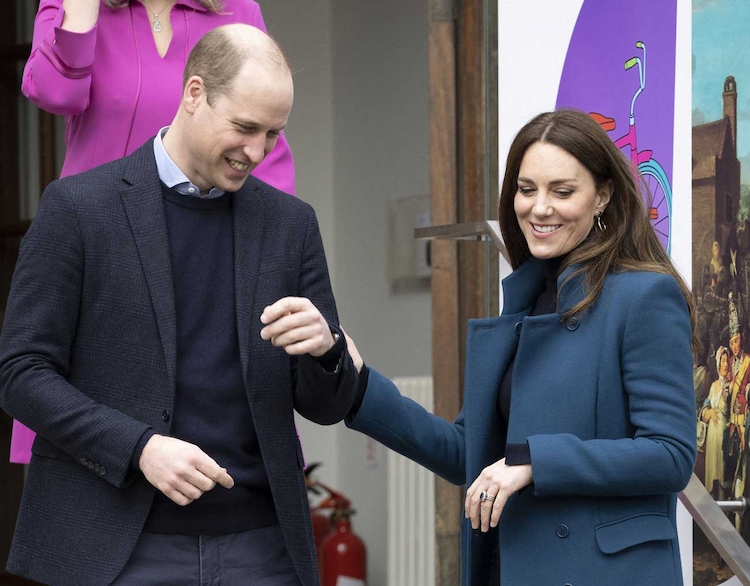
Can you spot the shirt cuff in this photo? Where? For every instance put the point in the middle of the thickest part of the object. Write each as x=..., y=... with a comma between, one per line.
x=138, y=450
x=517, y=454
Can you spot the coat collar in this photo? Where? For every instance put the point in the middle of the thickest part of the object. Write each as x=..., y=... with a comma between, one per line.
x=522, y=287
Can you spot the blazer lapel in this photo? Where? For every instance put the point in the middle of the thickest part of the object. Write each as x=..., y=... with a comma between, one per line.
x=248, y=213
x=144, y=206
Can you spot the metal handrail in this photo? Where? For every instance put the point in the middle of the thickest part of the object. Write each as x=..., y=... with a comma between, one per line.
x=739, y=506
x=708, y=513
x=485, y=229
x=719, y=530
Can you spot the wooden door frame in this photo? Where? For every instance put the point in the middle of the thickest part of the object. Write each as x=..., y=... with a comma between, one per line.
x=463, y=163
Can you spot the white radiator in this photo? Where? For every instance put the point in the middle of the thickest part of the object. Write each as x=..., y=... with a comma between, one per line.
x=411, y=506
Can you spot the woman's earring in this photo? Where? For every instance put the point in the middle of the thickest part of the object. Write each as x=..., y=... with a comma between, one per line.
x=600, y=223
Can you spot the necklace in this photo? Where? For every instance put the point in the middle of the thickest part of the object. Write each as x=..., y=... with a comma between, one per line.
x=157, y=22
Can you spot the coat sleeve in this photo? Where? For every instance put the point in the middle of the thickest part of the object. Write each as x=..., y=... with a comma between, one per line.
x=37, y=341
x=277, y=169
x=320, y=395
x=409, y=429
x=57, y=75
x=656, y=365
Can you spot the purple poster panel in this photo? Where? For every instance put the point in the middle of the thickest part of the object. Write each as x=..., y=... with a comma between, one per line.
x=620, y=68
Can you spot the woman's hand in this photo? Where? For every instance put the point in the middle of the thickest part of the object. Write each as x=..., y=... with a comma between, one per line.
x=353, y=352
x=499, y=481
x=80, y=15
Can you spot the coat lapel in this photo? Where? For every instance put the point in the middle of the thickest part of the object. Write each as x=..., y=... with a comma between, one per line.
x=248, y=213
x=144, y=206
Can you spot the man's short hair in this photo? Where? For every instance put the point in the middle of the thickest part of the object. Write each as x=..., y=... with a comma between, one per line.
x=218, y=57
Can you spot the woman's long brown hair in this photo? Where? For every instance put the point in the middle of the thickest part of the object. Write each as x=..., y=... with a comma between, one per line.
x=212, y=5
x=628, y=244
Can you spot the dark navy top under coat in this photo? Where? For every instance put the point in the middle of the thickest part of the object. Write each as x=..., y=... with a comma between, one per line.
x=546, y=303
x=211, y=407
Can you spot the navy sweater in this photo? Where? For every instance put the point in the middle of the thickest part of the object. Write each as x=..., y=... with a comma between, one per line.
x=211, y=408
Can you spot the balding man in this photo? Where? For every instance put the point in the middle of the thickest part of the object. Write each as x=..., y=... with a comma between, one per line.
x=167, y=314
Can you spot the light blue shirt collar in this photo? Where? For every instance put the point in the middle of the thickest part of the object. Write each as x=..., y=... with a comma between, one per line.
x=172, y=177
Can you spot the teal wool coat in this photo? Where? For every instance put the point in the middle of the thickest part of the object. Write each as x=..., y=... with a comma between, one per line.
x=605, y=403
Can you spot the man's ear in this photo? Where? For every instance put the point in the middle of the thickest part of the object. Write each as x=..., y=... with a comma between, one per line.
x=194, y=94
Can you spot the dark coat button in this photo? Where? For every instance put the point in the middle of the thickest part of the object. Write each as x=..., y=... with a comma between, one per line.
x=563, y=531
x=519, y=325
x=103, y=471
x=573, y=324
x=165, y=415
x=567, y=584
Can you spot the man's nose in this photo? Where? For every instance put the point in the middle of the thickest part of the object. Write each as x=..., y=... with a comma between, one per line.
x=255, y=150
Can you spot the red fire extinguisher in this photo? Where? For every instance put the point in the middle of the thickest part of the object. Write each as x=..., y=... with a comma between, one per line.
x=342, y=553
x=342, y=556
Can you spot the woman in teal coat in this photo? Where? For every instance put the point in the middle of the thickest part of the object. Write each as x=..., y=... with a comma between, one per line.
x=574, y=482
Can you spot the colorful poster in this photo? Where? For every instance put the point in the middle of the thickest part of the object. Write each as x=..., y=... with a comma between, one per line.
x=721, y=261
x=620, y=68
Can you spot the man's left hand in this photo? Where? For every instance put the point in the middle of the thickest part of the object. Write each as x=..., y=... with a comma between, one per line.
x=498, y=482
x=296, y=325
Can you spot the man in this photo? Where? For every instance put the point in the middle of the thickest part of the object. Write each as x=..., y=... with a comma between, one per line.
x=167, y=314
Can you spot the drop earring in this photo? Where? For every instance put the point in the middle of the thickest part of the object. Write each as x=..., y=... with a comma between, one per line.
x=600, y=223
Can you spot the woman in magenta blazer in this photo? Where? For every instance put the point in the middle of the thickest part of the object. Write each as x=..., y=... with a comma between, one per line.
x=99, y=65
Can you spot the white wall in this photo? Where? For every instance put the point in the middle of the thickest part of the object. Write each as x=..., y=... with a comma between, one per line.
x=359, y=134
x=381, y=151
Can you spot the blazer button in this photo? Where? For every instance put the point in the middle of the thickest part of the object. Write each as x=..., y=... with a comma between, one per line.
x=83, y=461
x=519, y=325
x=90, y=465
x=165, y=415
x=572, y=324
x=97, y=468
x=563, y=531
x=103, y=471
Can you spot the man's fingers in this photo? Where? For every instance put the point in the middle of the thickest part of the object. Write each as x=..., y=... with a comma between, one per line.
x=212, y=470
x=189, y=490
x=283, y=306
x=296, y=335
x=288, y=322
x=201, y=481
x=224, y=479
x=177, y=497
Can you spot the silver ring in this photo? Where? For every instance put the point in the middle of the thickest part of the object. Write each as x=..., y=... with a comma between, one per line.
x=483, y=496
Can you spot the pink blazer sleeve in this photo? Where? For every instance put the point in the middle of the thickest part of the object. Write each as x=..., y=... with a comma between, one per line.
x=57, y=76
x=277, y=168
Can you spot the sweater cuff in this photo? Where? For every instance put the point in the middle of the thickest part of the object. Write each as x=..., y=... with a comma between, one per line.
x=331, y=360
x=70, y=53
x=138, y=450
x=517, y=454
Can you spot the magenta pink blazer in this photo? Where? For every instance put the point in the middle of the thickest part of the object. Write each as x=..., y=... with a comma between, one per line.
x=116, y=92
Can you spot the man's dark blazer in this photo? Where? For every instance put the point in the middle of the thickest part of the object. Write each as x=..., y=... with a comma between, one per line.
x=88, y=360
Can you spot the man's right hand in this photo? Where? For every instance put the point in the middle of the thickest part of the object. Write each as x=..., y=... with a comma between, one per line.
x=180, y=470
